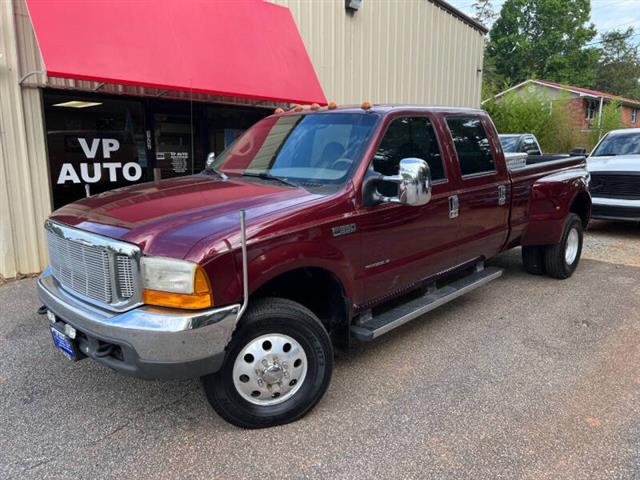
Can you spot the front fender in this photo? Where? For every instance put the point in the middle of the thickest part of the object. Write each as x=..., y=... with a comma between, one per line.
x=269, y=259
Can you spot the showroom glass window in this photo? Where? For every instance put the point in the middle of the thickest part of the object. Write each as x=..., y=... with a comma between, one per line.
x=94, y=144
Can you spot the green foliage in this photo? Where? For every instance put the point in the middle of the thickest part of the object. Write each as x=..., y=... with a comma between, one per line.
x=544, y=39
x=611, y=119
x=618, y=68
x=532, y=112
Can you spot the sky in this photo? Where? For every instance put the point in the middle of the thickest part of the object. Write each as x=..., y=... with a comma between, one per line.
x=607, y=15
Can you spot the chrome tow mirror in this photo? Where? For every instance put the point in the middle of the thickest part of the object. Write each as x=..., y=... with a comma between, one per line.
x=414, y=183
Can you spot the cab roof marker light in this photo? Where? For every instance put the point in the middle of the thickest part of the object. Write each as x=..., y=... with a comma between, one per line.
x=366, y=105
x=332, y=105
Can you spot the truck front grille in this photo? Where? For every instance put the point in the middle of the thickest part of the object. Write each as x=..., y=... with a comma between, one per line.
x=88, y=265
x=616, y=185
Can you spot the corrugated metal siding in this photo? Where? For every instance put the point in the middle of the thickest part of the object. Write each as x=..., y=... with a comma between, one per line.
x=390, y=51
x=24, y=186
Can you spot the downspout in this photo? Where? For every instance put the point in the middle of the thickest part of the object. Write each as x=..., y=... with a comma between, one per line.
x=600, y=112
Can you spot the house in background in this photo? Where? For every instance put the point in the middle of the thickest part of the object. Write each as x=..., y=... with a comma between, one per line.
x=584, y=104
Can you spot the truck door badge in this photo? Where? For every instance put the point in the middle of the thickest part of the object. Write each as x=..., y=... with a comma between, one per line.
x=343, y=229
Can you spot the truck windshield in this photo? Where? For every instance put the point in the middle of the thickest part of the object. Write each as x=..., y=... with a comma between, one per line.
x=316, y=148
x=509, y=144
x=619, y=144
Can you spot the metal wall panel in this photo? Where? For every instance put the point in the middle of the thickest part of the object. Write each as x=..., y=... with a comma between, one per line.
x=392, y=51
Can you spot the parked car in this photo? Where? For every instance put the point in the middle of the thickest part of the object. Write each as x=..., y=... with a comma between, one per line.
x=313, y=229
x=520, y=143
x=614, y=165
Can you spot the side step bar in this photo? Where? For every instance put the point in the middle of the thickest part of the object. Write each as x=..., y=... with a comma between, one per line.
x=387, y=321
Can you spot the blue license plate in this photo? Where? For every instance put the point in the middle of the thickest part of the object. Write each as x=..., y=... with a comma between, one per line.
x=64, y=343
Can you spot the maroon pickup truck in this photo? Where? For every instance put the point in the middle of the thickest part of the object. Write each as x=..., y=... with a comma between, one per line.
x=315, y=228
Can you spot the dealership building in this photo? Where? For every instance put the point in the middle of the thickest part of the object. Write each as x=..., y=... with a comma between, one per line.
x=100, y=95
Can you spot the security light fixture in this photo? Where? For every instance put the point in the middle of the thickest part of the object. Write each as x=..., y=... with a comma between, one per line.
x=77, y=104
x=352, y=5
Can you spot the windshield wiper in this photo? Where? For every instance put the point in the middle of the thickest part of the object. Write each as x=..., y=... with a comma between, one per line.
x=266, y=176
x=210, y=170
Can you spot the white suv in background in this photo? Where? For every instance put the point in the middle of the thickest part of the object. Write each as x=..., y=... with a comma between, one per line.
x=615, y=176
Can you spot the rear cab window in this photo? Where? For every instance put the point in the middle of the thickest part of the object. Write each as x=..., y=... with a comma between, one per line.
x=472, y=145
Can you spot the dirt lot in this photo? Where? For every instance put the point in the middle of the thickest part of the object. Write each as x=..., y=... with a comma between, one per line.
x=527, y=378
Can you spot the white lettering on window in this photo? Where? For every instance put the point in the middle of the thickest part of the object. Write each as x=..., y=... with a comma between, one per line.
x=67, y=172
x=109, y=145
x=128, y=174
x=89, y=152
x=113, y=169
x=84, y=173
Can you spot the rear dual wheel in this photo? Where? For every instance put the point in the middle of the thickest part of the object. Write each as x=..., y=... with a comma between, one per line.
x=278, y=366
x=559, y=260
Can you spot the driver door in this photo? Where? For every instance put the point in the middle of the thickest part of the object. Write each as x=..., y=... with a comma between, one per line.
x=403, y=244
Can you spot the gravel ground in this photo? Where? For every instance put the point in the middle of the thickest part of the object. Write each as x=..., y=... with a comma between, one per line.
x=527, y=378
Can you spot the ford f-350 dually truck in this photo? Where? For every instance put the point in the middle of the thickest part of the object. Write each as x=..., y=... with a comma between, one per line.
x=315, y=228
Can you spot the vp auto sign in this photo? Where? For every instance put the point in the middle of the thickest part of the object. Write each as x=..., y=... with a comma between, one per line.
x=95, y=172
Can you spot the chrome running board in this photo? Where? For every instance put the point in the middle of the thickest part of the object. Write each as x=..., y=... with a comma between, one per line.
x=387, y=321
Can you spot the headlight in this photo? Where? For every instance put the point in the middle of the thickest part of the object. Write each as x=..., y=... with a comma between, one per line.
x=168, y=282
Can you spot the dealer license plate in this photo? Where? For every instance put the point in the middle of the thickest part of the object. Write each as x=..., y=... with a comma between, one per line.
x=65, y=344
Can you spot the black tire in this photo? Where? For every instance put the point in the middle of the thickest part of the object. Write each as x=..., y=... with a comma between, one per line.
x=264, y=317
x=555, y=259
x=533, y=259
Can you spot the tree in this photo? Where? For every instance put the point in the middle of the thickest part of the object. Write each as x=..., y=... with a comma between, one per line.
x=546, y=39
x=618, y=70
x=484, y=12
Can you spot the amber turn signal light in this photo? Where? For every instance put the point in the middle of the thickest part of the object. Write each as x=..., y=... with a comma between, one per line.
x=202, y=296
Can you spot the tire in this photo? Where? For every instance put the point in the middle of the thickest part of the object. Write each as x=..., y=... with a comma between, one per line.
x=561, y=260
x=533, y=259
x=289, y=384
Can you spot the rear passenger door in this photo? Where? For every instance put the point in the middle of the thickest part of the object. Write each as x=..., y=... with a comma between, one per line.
x=483, y=196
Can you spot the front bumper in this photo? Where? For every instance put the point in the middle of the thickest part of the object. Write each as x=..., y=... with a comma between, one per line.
x=148, y=342
x=615, y=209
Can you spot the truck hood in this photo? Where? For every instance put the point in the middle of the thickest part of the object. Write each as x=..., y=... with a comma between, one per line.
x=169, y=217
x=617, y=163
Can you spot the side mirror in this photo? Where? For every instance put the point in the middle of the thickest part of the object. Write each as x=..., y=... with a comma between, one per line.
x=414, y=183
x=578, y=152
x=210, y=159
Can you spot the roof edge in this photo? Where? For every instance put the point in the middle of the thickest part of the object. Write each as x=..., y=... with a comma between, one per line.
x=461, y=15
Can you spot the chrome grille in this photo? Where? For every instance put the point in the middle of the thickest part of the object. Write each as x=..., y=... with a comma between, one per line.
x=100, y=270
x=125, y=276
x=81, y=268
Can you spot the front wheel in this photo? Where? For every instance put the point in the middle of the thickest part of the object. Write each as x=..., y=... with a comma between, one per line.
x=278, y=366
x=561, y=260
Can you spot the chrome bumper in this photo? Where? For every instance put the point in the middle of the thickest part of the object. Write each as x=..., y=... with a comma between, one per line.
x=156, y=342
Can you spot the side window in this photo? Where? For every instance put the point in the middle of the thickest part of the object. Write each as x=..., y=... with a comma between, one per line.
x=472, y=145
x=407, y=137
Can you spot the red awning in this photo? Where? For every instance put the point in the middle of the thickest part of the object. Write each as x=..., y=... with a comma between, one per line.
x=238, y=48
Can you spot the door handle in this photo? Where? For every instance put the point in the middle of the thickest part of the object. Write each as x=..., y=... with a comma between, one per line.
x=454, y=206
x=502, y=194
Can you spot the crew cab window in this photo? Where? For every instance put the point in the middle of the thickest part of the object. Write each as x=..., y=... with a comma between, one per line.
x=407, y=137
x=472, y=145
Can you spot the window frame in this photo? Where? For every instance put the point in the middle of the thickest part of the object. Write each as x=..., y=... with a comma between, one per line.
x=392, y=118
x=634, y=115
x=591, y=107
x=472, y=176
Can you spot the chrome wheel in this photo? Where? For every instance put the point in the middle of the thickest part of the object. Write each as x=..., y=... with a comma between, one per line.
x=571, y=248
x=270, y=369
